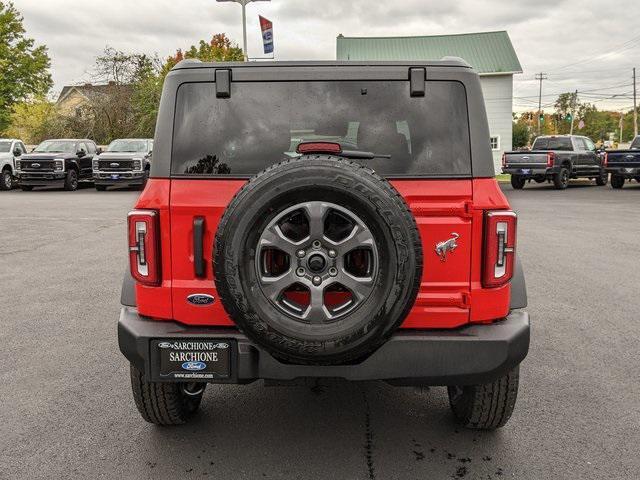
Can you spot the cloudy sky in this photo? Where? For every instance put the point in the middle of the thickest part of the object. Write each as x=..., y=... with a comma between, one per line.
x=589, y=45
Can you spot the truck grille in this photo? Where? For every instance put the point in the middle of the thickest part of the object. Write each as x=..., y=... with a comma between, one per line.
x=37, y=165
x=115, y=165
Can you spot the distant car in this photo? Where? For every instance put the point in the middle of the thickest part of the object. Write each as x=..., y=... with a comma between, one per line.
x=557, y=159
x=125, y=162
x=624, y=164
x=62, y=162
x=11, y=150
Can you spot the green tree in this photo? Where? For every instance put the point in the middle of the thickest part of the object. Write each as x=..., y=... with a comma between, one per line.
x=520, y=135
x=148, y=88
x=24, y=68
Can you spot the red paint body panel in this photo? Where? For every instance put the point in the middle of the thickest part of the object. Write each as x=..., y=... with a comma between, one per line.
x=441, y=208
x=451, y=292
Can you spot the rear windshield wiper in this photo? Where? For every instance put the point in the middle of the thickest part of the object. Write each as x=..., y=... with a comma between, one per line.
x=356, y=154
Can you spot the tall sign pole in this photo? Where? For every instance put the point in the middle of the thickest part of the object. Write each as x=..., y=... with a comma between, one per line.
x=635, y=106
x=244, y=3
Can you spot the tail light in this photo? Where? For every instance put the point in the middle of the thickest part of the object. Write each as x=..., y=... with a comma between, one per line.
x=499, y=248
x=504, y=159
x=144, y=246
x=551, y=158
x=606, y=159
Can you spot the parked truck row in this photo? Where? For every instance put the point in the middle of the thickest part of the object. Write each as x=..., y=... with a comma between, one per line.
x=559, y=158
x=67, y=162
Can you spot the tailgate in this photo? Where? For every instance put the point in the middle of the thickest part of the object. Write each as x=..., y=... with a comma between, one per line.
x=628, y=158
x=526, y=158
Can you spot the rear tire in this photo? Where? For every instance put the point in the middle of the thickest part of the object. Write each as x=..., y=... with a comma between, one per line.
x=488, y=406
x=561, y=179
x=165, y=403
x=603, y=179
x=517, y=182
x=101, y=188
x=71, y=181
x=6, y=180
x=617, y=181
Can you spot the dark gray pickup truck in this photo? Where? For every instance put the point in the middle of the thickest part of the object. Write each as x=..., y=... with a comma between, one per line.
x=624, y=164
x=555, y=159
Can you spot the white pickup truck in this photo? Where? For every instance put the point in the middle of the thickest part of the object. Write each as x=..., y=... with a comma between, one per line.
x=10, y=150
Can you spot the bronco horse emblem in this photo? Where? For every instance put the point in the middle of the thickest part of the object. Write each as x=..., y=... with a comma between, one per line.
x=447, y=246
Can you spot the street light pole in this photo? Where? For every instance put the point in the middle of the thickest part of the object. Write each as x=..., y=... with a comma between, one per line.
x=244, y=3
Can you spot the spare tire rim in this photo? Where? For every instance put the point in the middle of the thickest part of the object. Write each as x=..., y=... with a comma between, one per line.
x=317, y=262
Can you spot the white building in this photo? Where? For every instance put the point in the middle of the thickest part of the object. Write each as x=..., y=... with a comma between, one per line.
x=491, y=54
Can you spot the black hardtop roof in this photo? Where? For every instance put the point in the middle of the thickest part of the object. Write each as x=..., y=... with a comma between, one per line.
x=191, y=63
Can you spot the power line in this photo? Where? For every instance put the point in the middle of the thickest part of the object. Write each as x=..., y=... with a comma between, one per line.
x=619, y=49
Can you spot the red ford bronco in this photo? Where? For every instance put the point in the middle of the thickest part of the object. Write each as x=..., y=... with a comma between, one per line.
x=309, y=220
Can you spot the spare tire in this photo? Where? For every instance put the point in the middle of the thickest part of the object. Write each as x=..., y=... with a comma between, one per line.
x=318, y=260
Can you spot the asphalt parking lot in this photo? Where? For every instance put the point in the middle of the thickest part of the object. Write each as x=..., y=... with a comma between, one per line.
x=67, y=410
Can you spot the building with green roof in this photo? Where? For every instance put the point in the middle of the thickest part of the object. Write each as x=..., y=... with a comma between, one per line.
x=491, y=54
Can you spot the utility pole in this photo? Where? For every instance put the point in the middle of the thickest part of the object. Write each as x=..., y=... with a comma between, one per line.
x=635, y=106
x=621, y=126
x=574, y=104
x=540, y=76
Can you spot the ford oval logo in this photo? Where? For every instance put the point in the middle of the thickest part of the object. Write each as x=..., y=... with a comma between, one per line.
x=194, y=366
x=35, y=165
x=114, y=164
x=200, y=299
x=631, y=157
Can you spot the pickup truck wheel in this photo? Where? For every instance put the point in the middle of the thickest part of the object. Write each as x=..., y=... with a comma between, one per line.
x=561, y=179
x=71, y=181
x=517, y=182
x=101, y=188
x=617, y=181
x=6, y=180
x=603, y=179
x=165, y=403
x=318, y=260
x=488, y=406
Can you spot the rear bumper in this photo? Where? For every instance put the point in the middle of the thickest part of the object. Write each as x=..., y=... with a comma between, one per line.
x=627, y=172
x=470, y=355
x=124, y=178
x=530, y=170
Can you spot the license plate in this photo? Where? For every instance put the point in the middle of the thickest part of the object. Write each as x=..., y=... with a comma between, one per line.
x=525, y=171
x=193, y=359
x=115, y=177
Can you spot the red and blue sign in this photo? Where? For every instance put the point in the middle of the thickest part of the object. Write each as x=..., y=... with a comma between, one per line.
x=267, y=34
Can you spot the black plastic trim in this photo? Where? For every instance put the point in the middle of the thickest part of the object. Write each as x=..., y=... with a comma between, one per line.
x=518, y=287
x=470, y=355
x=418, y=81
x=223, y=83
x=199, y=265
x=128, y=291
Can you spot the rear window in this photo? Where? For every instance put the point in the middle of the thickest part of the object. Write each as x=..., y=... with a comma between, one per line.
x=553, y=143
x=263, y=123
x=636, y=143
